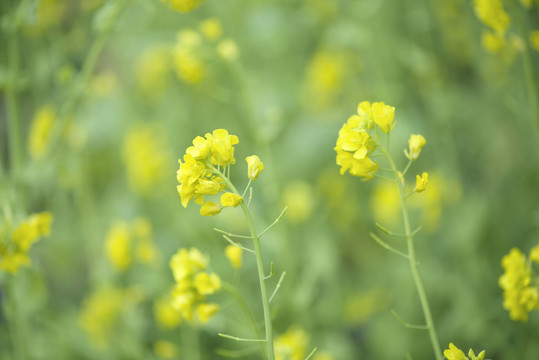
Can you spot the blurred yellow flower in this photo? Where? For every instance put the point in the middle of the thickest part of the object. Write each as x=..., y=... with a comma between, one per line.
x=117, y=246
x=187, y=57
x=229, y=199
x=151, y=71
x=492, y=14
x=534, y=39
x=228, y=50
x=40, y=130
x=254, y=166
x=211, y=28
x=415, y=144
x=298, y=197
x=385, y=203
x=166, y=349
x=145, y=154
x=421, y=182
x=519, y=296
x=207, y=284
x=234, y=255
x=206, y=311
x=534, y=254
x=493, y=42
x=193, y=284
x=325, y=76
x=165, y=315
x=183, y=5
x=292, y=345
x=14, y=253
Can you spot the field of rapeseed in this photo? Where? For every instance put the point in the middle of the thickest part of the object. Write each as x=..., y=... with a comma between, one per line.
x=277, y=180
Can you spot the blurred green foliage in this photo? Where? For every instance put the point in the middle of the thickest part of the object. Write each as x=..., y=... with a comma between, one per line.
x=126, y=93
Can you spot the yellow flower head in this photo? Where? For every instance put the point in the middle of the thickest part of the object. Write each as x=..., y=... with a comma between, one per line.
x=40, y=130
x=210, y=209
x=228, y=50
x=207, y=284
x=492, y=14
x=354, y=144
x=187, y=58
x=229, y=199
x=234, y=255
x=493, y=42
x=166, y=349
x=292, y=345
x=421, y=182
x=165, y=315
x=254, y=166
x=183, y=5
x=211, y=28
x=222, y=147
x=186, y=262
x=454, y=353
x=117, y=246
x=415, y=143
x=206, y=311
x=534, y=254
x=383, y=116
x=151, y=71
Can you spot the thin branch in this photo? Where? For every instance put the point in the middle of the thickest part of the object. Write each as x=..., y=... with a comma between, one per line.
x=271, y=271
x=311, y=354
x=238, y=245
x=388, y=247
x=277, y=286
x=391, y=233
x=409, y=326
x=275, y=222
x=240, y=339
x=232, y=235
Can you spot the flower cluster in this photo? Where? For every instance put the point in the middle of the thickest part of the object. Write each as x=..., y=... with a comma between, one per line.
x=124, y=242
x=355, y=143
x=520, y=294
x=492, y=14
x=193, y=284
x=454, y=353
x=14, y=253
x=202, y=171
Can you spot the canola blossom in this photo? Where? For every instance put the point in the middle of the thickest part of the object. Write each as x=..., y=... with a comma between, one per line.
x=193, y=284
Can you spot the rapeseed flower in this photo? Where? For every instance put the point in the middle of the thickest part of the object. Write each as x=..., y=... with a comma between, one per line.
x=193, y=284
x=234, y=255
x=454, y=353
x=211, y=28
x=492, y=14
x=40, y=131
x=520, y=296
x=14, y=252
x=421, y=182
x=187, y=57
x=254, y=167
x=165, y=315
x=415, y=144
x=165, y=349
x=292, y=345
x=229, y=199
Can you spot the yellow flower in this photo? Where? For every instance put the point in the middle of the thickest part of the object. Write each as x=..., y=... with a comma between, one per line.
x=11, y=262
x=200, y=148
x=211, y=28
x=145, y=154
x=353, y=139
x=254, y=166
x=325, y=77
x=206, y=311
x=188, y=175
x=151, y=71
x=230, y=199
x=210, y=209
x=292, y=345
x=534, y=254
x=207, y=284
x=165, y=315
x=479, y=356
x=234, y=255
x=383, y=116
x=117, y=246
x=299, y=198
x=187, y=57
x=208, y=187
x=534, y=39
x=222, y=147
x=40, y=130
x=166, y=349
x=365, y=168
x=183, y=5
x=493, y=42
x=421, y=182
x=454, y=353
x=492, y=14
x=415, y=144
x=228, y=50
x=186, y=262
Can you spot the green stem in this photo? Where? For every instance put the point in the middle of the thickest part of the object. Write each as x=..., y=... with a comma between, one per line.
x=66, y=112
x=14, y=321
x=246, y=311
x=260, y=267
x=413, y=262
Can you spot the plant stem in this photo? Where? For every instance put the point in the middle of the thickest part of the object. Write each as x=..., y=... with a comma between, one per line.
x=81, y=83
x=413, y=262
x=260, y=267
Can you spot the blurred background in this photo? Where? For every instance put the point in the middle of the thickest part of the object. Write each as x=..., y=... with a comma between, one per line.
x=100, y=98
